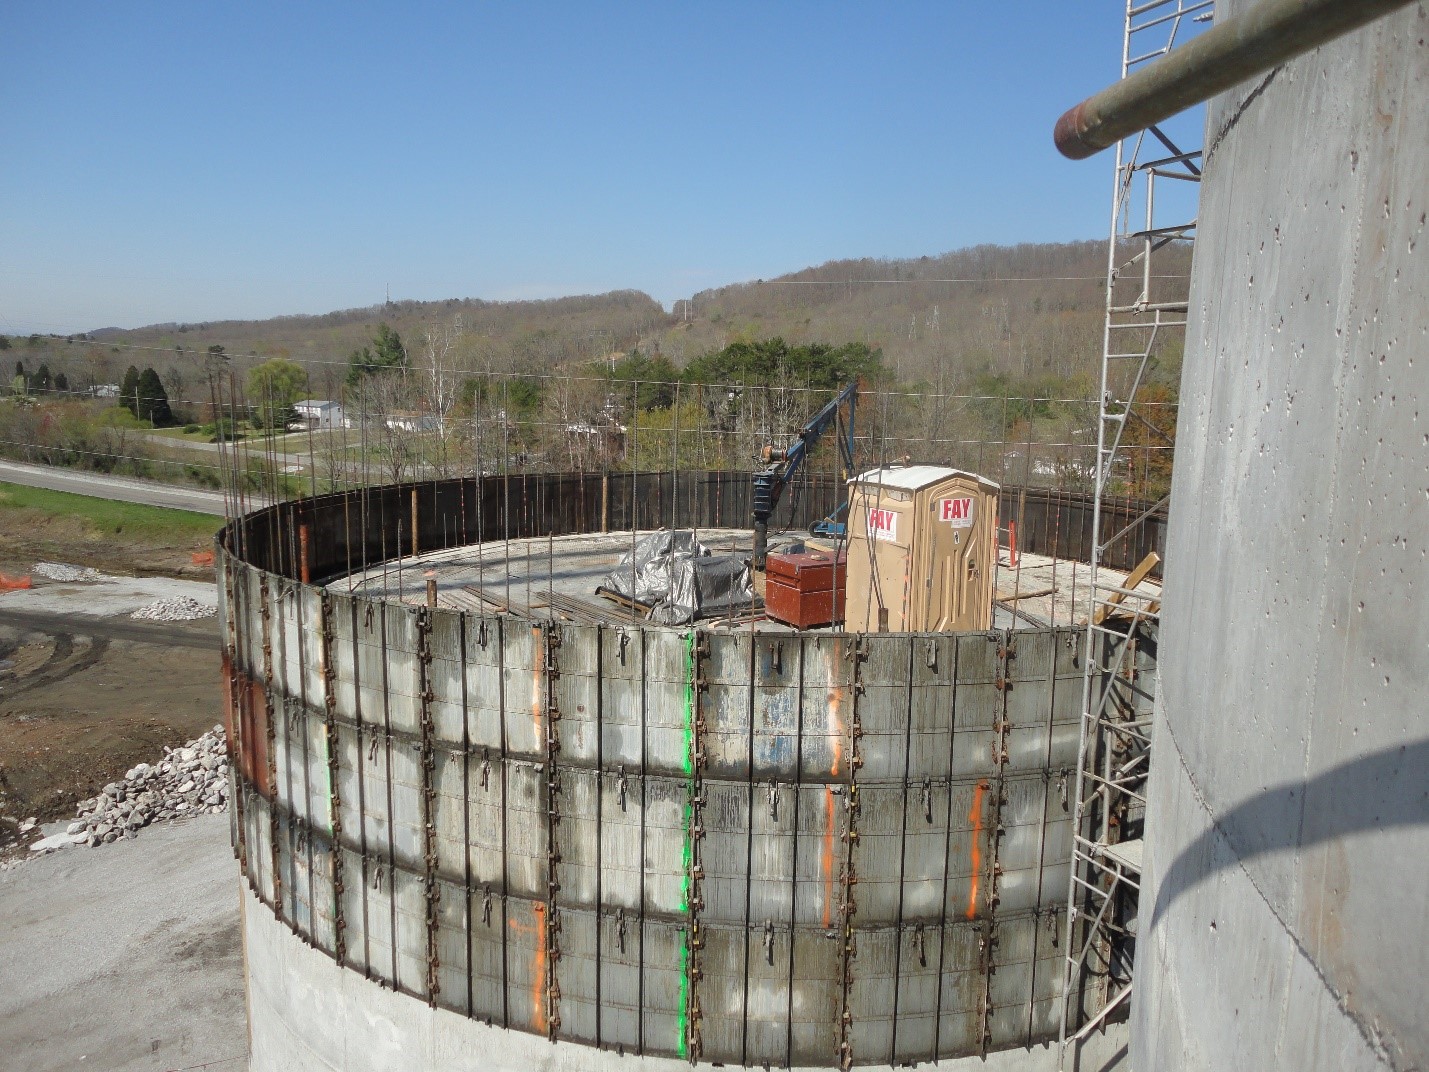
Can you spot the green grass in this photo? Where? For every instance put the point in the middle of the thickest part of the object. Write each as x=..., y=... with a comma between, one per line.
x=109, y=516
x=179, y=433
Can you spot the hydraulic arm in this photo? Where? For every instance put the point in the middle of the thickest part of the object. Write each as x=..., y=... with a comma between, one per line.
x=777, y=472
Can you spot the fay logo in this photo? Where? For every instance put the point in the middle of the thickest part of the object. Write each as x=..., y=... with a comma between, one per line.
x=957, y=512
x=882, y=525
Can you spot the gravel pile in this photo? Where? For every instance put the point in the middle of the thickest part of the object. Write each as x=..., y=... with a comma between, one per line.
x=177, y=609
x=192, y=780
x=59, y=571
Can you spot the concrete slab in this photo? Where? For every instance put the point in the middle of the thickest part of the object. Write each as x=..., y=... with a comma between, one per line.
x=107, y=596
x=125, y=957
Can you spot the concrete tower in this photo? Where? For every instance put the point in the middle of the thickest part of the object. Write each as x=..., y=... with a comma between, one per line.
x=1285, y=916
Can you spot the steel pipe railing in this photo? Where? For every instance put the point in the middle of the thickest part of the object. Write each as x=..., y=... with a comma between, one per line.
x=1270, y=33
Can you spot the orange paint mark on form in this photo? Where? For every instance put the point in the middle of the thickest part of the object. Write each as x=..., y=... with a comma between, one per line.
x=538, y=966
x=975, y=817
x=836, y=729
x=827, y=862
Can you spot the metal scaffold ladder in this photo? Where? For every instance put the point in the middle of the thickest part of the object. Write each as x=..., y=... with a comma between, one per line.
x=1145, y=310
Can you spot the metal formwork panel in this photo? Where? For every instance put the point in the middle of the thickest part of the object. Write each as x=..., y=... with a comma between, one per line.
x=445, y=678
x=1047, y=969
x=777, y=707
x=308, y=606
x=405, y=803
x=665, y=837
x=924, y=868
x=1010, y=983
x=816, y=968
x=1019, y=850
x=486, y=944
x=370, y=656
x=979, y=700
x=578, y=973
x=342, y=613
x=915, y=1023
x=872, y=993
x=258, y=813
x=523, y=689
x=722, y=994
x=1028, y=693
x=354, y=909
x=622, y=874
x=883, y=709
x=381, y=922
x=524, y=823
x=620, y=981
x=577, y=693
x=449, y=815
x=287, y=634
x=771, y=855
x=452, y=949
x=622, y=700
x=932, y=705
x=323, y=903
x=880, y=850
x=578, y=871
x=969, y=864
x=669, y=701
x=767, y=996
x=962, y=988
x=725, y=848
x=726, y=705
x=410, y=926
x=664, y=984
x=484, y=684
x=818, y=848
x=404, y=713
x=826, y=707
x=486, y=820
x=526, y=957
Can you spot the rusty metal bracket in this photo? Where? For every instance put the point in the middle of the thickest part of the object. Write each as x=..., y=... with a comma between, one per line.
x=431, y=890
x=329, y=674
x=270, y=725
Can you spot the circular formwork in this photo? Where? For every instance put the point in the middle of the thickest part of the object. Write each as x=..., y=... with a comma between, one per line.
x=805, y=849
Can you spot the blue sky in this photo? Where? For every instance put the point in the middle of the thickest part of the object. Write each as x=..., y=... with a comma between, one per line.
x=200, y=162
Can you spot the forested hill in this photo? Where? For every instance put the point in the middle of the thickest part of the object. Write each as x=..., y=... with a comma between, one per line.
x=1024, y=314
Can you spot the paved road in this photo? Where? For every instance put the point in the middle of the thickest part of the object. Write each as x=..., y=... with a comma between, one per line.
x=124, y=489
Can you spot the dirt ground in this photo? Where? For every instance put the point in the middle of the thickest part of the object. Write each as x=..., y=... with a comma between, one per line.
x=26, y=538
x=83, y=700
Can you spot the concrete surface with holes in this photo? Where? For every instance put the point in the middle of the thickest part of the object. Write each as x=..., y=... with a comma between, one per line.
x=125, y=957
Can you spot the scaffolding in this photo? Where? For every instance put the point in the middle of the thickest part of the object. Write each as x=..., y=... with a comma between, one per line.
x=1145, y=310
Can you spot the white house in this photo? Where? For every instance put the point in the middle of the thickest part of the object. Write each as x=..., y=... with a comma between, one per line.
x=319, y=413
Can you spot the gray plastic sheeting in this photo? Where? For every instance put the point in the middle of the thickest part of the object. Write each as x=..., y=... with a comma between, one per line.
x=676, y=575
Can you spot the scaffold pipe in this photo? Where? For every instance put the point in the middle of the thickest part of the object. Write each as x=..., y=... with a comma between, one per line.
x=1243, y=46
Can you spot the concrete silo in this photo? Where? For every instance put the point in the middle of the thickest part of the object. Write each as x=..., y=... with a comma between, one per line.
x=1283, y=916
x=482, y=836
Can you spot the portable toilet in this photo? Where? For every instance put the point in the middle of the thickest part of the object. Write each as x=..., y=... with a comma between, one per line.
x=922, y=550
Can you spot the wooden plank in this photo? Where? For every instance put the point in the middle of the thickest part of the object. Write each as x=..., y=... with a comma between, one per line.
x=1135, y=577
x=1031, y=593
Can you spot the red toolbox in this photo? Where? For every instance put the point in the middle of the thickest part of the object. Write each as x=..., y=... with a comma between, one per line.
x=806, y=589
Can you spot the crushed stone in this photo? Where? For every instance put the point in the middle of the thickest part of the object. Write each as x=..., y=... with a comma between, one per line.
x=176, y=609
x=189, y=780
x=62, y=571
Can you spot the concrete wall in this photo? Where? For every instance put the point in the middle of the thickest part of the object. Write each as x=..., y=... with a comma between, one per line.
x=309, y=1015
x=792, y=850
x=1285, y=922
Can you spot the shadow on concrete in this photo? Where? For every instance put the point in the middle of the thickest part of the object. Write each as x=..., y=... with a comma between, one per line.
x=1379, y=791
